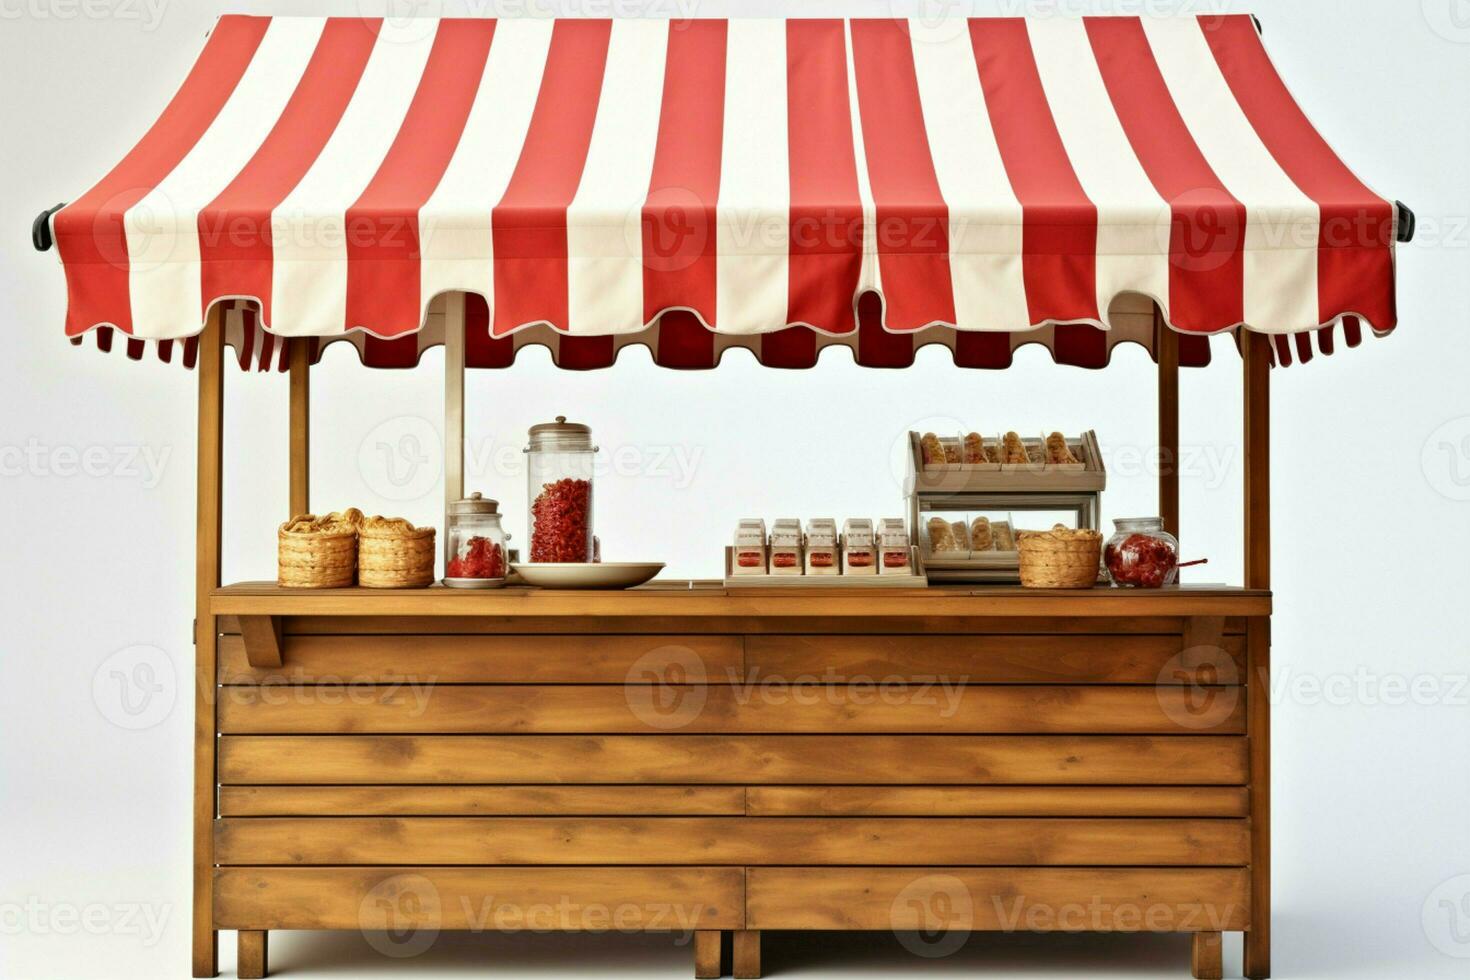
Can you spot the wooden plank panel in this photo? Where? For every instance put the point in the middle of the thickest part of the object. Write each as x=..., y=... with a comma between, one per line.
x=995, y=899
x=504, y=659
x=996, y=801
x=486, y=801
x=516, y=899
x=746, y=841
x=397, y=624
x=801, y=706
x=945, y=608
x=979, y=659
x=1212, y=760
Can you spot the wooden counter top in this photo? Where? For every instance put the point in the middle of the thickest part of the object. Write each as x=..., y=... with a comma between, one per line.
x=712, y=599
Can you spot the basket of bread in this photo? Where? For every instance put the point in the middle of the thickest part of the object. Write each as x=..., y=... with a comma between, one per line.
x=318, y=552
x=1062, y=558
x=393, y=554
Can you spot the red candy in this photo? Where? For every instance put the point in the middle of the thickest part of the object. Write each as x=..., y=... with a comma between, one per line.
x=480, y=558
x=1141, y=560
x=561, y=529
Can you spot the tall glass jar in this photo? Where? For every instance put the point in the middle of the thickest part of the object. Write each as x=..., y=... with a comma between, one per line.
x=559, y=462
x=1142, y=554
x=474, y=544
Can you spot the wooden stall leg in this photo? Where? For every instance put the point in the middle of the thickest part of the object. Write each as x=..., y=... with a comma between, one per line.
x=206, y=578
x=1208, y=960
x=747, y=961
x=300, y=427
x=251, y=962
x=707, y=954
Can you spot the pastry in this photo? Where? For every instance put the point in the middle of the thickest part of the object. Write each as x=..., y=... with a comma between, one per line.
x=1003, y=537
x=1013, y=451
x=1058, y=452
x=982, y=537
x=932, y=451
x=974, y=448
x=951, y=453
x=942, y=539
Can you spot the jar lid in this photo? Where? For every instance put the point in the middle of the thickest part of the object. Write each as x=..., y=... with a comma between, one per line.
x=474, y=504
x=561, y=436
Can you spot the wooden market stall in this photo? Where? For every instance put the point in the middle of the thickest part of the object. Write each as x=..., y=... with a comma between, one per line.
x=593, y=760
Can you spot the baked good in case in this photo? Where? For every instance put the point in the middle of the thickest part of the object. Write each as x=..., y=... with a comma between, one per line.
x=942, y=537
x=932, y=450
x=1002, y=536
x=1013, y=450
x=982, y=537
x=1058, y=452
x=974, y=448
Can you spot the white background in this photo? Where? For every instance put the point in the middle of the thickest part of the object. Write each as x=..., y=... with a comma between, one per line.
x=1372, y=515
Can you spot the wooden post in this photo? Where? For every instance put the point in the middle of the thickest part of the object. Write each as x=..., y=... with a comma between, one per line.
x=707, y=954
x=1166, y=346
x=1256, y=356
x=1207, y=960
x=747, y=954
x=1256, y=353
x=207, y=534
x=454, y=346
x=300, y=426
x=252, y=961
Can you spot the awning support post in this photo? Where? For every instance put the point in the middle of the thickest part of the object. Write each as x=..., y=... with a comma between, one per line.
x=208, y=523
x=454, y=358
x=1166, y=347
x=1256, y=356
x=300, y=380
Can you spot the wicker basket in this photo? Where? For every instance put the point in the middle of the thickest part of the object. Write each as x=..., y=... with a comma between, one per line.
x=393, y=554
x=1062, y=558
x=318, y=552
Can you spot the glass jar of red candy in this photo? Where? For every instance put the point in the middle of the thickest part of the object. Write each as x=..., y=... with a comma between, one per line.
x=1141, y=554
x=559, y=464
x=474, y=544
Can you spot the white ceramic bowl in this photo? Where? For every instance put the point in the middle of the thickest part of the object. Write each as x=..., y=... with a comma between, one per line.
x=587, y=575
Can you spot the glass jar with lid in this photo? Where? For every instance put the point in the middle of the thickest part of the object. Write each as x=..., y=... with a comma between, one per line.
x=474, y=544
x=559, y=464
x=1141, y=554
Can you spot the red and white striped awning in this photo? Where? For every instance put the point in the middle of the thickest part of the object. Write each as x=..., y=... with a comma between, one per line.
x=988, y=181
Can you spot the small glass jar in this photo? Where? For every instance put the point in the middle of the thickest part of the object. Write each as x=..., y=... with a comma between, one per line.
x=1141, y=554
x=474, y=544
x=559, y=463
